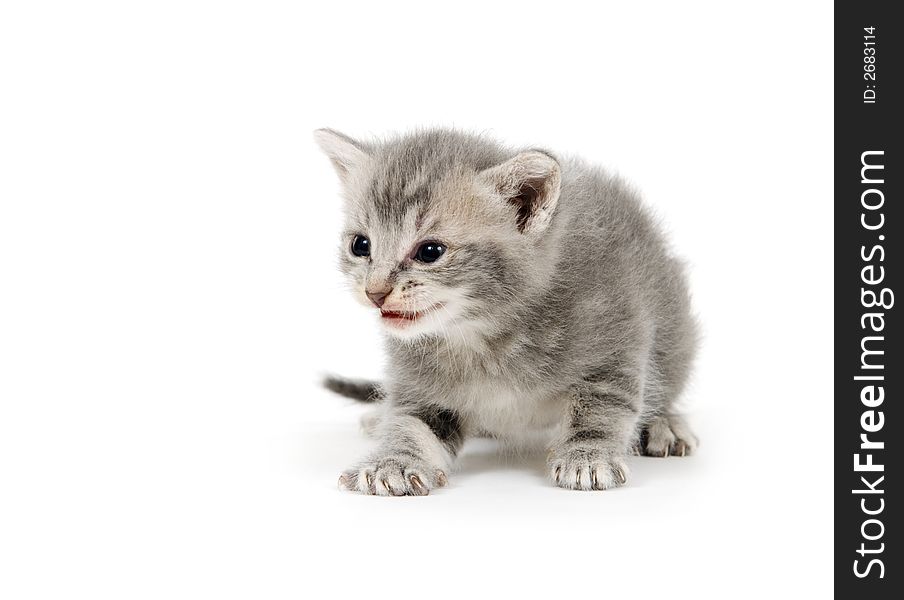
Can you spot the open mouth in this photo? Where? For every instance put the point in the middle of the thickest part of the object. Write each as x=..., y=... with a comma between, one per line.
x=402, y=316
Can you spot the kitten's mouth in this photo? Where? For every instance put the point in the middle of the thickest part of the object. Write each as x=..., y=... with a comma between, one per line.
x=400, y=317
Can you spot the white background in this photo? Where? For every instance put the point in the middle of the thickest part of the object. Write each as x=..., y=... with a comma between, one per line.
x=168, y=237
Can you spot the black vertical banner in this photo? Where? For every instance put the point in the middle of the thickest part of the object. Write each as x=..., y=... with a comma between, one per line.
x=869, y=371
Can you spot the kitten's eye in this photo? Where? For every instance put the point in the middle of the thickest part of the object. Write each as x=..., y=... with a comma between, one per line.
x=361, y=246
x=429, y=252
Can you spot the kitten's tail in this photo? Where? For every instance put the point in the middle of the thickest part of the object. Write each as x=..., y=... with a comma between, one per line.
x=362, y=391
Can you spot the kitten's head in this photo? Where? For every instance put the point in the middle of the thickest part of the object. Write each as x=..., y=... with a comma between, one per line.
x=445, y=232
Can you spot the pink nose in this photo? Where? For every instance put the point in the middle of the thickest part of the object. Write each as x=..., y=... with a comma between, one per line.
x=378, y=296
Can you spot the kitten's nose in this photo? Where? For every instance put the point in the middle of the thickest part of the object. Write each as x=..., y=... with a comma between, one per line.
x=378, y=296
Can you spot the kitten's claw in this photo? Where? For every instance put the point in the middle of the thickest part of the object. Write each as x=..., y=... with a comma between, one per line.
x=441, y=480
x=418, y=486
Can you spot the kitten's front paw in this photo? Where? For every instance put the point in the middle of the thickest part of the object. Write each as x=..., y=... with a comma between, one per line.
x=667, y=435
x=392, y=476
x=586, y=468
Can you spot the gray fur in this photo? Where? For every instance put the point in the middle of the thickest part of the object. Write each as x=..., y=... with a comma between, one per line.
x=362, y=391
x=557, y=308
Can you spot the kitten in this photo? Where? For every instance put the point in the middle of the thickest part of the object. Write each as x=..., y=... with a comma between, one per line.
x=520, y=292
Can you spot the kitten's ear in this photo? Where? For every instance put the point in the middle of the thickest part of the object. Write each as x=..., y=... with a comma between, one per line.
x=346, y=154
x=530, y=182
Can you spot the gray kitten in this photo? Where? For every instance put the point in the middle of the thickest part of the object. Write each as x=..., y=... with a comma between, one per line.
x=521, y=292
